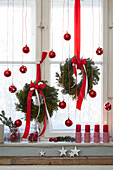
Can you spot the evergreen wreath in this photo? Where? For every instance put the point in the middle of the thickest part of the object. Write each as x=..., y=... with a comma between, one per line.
x=51, y=97
x=65, y=77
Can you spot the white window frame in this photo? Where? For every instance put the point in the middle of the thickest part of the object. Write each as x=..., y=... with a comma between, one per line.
x=107, y=59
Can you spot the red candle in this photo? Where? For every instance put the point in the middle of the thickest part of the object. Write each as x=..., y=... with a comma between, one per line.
x=78, y=128
x=87, y=128
x=105, y=128
x=97, y=128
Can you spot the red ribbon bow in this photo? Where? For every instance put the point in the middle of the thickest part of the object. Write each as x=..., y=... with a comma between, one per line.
x=30, y=93
x=38, y=87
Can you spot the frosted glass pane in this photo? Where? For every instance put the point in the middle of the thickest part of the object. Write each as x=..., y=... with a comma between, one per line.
x=91, y=107
x=91, y=29
x=8, y=100
x=22, y=30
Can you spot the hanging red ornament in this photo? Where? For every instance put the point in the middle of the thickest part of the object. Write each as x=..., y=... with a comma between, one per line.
x=26, y=49
x=7, y=73
x=51, y=139
x=52, y=54
x=107, y=106
x=18, y=123
x=92, y=93
x=99, y=51
x=12, y=89
x=67, y=36
x=68, y=122
x=23, y=69
x=62, y=105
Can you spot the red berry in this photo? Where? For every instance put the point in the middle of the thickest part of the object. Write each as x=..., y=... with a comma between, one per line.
x=50, y=139
x=55, y=140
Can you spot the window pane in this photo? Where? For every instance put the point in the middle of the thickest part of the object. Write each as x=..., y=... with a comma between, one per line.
x=20, y=35
x=9, y=99
x=91, y=39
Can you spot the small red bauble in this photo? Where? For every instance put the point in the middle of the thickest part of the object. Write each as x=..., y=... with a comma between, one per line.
x=18, y=123
x=67, y=36
x=7, y=73
x=52, y=54
x=26, y=49
x=23, y=69
x=12, y=89
x=68, y=122
x=99, y=51
x=55, y=140
x=13, y=137
x=107, y=106
x=36, y=134
x=62, y=105
x=30, y=138
x=51, y=139
x=92, y=93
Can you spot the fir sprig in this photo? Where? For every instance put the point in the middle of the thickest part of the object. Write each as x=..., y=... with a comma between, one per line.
x=6, y=121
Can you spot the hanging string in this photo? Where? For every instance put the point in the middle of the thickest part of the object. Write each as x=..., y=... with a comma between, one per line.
x=12, y=39
x=22, y=28
x=26, y=21
x=52, y=24
x=69, y=77
x=7, y=41
x=68, y=54
x=99, y=22
x=63, y=45
x=92, y=37
x=67, y=15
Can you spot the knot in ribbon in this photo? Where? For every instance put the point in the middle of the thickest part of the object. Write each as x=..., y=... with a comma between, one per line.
x=78, y=62
x=37, y=86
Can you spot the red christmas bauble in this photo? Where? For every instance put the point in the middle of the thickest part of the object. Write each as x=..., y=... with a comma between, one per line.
x=23, y=69
x=26, y=49
x=67, y=36
x=99, y=51
x=35, y=139
x=92, y=93
x=12, y=89
x=36, y=134
x=107, y=106
x=30, y=138
x=62, y=105
x=52, y=54
x=18, y=123
x=68, y=122
x=7, y=73
x=51, y=139
x=13, y=137
x=55, y=140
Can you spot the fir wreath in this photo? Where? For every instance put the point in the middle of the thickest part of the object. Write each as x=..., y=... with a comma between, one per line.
x=51, y=97
x=66, y=78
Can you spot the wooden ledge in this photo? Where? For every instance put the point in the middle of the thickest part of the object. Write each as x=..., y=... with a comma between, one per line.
x=28, y=160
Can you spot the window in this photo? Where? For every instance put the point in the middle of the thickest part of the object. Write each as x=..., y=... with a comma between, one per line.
x=45, y=30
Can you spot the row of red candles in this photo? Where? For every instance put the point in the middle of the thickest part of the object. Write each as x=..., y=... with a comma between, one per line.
x=96, y=128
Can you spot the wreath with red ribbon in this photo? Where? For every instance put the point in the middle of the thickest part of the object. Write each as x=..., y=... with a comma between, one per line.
x=66, y=80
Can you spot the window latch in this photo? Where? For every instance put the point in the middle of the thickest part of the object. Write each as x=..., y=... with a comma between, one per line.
x=41, y=26
x=111, y=26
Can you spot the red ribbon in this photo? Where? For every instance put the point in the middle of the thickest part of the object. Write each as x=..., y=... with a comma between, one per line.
x=77, y=61
x=30, y=93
